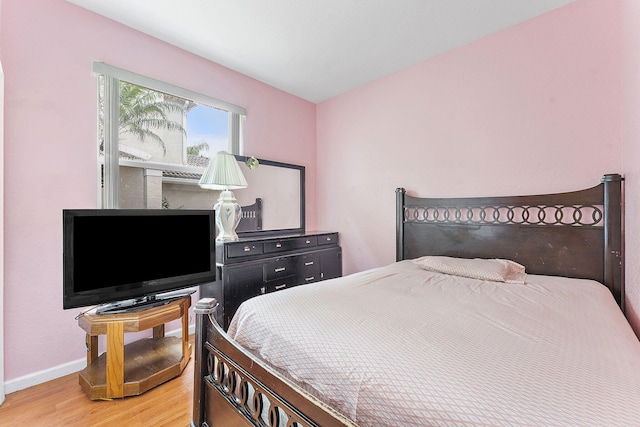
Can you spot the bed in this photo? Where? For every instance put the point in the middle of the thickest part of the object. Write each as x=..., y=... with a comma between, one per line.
x=412, y=344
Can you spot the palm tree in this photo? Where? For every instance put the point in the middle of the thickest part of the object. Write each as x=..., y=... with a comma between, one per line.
x=144, y=110
x=196, y=149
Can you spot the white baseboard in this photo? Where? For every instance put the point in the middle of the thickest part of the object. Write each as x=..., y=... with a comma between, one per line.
x=40, y=377
x=45, y=375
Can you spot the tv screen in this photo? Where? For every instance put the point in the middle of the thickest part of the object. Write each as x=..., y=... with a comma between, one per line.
x=132, y=255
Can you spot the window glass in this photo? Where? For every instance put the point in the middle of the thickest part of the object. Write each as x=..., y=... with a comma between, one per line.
x=208, y=130
x=155, y=155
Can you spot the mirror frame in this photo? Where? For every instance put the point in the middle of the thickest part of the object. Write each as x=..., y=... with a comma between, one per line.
x=284, y=231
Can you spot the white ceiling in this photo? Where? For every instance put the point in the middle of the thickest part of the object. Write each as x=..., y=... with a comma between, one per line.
x=317, y=49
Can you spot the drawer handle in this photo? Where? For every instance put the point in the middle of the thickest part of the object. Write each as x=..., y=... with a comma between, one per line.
x=308, y=263
x=278, y=270
x=263, y=290
x=306, y=279
x=308, y=241
x=280, y=287
x=278, y=245
x=328, y=239
x=247, y=248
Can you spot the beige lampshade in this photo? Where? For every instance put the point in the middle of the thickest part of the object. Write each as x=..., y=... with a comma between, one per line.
x=223, y=173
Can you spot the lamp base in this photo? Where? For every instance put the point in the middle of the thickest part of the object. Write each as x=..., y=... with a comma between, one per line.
x=228, y=215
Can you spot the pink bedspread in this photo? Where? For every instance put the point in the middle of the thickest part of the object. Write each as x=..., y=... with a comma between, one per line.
x=401, y=346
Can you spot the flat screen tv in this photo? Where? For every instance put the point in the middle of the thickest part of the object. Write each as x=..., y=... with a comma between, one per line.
x=123, y=259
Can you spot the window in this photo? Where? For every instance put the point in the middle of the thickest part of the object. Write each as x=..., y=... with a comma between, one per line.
x=155, y=140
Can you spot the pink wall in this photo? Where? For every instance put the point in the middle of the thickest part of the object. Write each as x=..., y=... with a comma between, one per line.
x=50, y=151
x=631, y=154
x=535, y=108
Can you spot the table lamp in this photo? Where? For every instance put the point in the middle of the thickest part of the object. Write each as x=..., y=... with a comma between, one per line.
x=223, y=173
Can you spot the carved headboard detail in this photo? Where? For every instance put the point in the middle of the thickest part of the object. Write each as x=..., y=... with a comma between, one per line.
x=251, y=217
x=574, y=234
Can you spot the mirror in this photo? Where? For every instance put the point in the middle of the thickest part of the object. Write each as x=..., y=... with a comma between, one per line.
x=281, y=188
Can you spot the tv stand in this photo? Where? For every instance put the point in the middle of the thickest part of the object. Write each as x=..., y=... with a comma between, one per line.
x=129, y=370
x=145, y=303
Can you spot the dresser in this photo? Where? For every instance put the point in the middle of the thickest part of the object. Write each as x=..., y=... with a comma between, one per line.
x=253, y=266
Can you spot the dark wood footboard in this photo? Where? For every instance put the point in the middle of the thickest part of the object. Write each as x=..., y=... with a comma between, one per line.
x=233, y=388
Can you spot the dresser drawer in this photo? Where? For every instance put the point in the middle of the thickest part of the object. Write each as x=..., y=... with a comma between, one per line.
x=310, y=277
x=308, y=267
x=290, y=244
x=239, y=249
x=307, y=264
x=278, y=246
x=328, y=239
x=281, y=267
x=306, y=242
x=278, y=285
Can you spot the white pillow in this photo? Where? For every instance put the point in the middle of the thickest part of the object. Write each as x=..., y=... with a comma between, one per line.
x=496, y=270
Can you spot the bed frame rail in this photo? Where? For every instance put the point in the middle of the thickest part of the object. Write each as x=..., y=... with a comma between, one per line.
x=230, y=386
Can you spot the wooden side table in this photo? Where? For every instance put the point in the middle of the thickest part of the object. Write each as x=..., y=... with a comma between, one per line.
x=129, y=370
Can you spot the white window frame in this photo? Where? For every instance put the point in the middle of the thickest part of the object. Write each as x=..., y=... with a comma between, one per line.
x=112, y=77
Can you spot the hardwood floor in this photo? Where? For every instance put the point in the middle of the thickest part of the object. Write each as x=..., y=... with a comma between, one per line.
x=62, y=402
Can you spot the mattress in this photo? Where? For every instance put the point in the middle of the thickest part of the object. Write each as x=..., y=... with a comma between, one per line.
x=401, y=346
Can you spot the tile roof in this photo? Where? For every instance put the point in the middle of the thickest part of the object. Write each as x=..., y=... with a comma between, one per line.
x=180, y=175
x=167, y=172
x=192, y=160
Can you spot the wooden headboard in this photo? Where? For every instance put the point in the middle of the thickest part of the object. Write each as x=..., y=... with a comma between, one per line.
x=576, y=234
x=251, y=217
